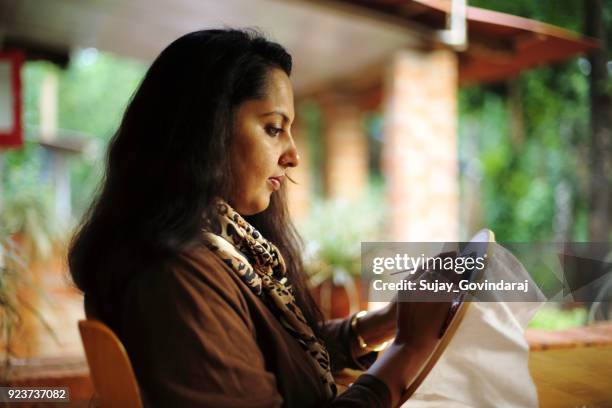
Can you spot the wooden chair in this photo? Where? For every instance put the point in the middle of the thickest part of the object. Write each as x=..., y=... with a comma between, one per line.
x=109, y=365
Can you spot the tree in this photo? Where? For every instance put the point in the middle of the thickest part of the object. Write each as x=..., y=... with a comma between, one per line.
x=600, y=153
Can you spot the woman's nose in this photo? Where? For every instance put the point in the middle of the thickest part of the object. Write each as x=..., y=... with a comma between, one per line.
x=290, y=156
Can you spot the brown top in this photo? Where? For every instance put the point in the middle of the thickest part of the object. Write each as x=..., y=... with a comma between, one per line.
x=198, y=337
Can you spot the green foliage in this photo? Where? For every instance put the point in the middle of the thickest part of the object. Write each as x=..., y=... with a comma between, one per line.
x=29, y=213
x=93, y=92
x=27, y=204
x=28, y=233
x=553, y=318
x=13, y=273
x=565, y=13
x=16, y=282
x=334, y=231
x=520, y=180
x=519, y=177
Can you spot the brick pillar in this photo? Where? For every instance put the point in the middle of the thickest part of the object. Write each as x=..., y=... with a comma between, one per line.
x=345, y=150
x=300, y=195
x=420, y=149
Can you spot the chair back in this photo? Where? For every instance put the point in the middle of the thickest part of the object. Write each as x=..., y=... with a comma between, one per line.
x=109, y=366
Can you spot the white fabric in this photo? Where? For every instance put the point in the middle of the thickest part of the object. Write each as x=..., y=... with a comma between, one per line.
x=486, y=363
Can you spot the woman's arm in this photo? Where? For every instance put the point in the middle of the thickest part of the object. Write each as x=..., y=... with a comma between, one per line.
x=379, y=326
x=191, y=343
x=375, y=328
x=418, y=328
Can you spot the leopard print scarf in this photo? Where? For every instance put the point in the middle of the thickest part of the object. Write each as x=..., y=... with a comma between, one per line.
x=260, y=265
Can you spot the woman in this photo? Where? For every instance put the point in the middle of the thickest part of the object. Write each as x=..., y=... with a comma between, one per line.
x=189, y=255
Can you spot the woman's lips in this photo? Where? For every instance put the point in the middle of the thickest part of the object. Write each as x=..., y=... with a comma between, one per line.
x=276, y=182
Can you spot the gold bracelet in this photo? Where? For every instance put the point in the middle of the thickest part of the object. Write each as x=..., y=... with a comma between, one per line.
x=362, y=344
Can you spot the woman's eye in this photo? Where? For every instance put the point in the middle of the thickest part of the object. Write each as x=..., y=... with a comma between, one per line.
x=273, y=131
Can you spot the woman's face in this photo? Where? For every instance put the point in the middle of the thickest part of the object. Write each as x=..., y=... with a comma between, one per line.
x=262, y=147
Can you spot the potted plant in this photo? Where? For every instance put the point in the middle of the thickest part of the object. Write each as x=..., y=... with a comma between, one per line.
x=28, y=237
x=333, y=234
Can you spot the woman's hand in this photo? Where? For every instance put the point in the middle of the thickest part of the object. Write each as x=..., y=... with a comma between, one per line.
x=420, y=323
x=382, y=325
x=418, y=329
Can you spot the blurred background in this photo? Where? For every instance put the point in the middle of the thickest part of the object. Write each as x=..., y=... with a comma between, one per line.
x=417, y=120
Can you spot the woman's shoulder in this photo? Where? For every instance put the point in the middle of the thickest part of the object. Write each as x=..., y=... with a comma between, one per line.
x=199, y=258
x=193, y=272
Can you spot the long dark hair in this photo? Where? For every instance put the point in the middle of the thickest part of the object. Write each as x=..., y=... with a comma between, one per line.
x=168, y=161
